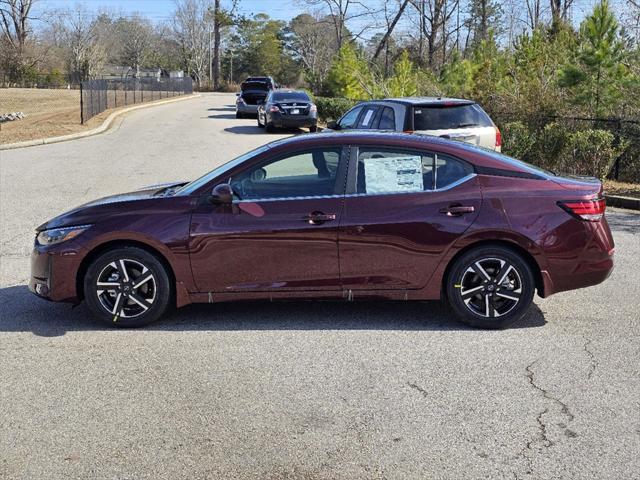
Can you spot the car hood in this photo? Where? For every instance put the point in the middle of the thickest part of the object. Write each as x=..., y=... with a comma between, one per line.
x=95, y=210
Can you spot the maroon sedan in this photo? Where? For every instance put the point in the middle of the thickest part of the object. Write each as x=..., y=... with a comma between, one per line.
x=338, y=216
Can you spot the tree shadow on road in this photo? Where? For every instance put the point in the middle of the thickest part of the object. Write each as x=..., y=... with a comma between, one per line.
x=224, y=116
x=226, y=108
x=21, y=311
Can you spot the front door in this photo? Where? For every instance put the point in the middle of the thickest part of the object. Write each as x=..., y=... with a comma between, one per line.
x=281, y=231
x=405, y=208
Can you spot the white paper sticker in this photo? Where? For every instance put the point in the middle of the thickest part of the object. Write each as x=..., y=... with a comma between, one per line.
x=367, y=117
x=393, y=174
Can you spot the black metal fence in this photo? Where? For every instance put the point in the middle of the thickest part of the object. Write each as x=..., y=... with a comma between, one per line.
x=99, y=95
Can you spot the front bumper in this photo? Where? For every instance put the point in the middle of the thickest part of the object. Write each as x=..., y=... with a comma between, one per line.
x=53, y=273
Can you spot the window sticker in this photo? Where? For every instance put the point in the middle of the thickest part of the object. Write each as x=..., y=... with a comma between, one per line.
x=367, y=117
x=393, y=174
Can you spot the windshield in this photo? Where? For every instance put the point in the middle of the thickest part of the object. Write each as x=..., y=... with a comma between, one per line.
x=290, y=96
x=191, y=187
x=447, y=117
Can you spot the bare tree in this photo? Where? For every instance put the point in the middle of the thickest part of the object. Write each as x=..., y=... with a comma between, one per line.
x=14, y=21
x=390, y=26
x=559, y=12
x=341, y=12
x=435, y=17
x=78, y=37
x=191, y=27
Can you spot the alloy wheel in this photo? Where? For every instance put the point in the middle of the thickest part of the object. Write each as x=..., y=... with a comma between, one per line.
x=491, y=287
x=126, y=288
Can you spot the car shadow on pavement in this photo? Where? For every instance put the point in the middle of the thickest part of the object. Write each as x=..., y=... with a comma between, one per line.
x=226, y=108
x=253, y=129
x=223, y=116
x=21, y=311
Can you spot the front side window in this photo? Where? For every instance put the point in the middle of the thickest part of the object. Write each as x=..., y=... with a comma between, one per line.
x=388, y=171
x=303, y=174
x=349, y=118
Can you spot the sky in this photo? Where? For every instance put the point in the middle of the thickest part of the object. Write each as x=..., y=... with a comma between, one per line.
x=160, y=10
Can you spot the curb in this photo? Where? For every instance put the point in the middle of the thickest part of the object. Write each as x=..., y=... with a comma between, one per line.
x=623, y=202
x=102, y=128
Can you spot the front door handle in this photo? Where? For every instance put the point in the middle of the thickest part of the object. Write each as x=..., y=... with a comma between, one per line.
x=318, y=218
x=456, y=210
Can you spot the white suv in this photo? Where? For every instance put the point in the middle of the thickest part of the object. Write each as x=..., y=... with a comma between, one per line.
x=452, y=118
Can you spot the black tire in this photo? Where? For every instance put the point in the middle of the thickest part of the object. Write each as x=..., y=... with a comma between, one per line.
x=120, y=303
x=475, y=293
x=269, y=128
x=239, y=115
x=260, y=124
x=313, y=128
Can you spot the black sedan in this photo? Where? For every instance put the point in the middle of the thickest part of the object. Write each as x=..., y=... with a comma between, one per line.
x=288, y=109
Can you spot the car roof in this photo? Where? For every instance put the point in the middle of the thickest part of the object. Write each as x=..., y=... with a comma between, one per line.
x=288, y=90
x=427, y=101
x=477, y=155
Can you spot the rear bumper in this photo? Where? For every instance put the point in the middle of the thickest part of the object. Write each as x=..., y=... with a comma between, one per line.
x=592, y=265
x=286, y=121
x=247, y=109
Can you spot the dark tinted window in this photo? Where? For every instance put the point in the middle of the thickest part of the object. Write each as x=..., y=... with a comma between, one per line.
x=449, y=170
x=366, y=119
x=446, y=117
x=290, y=96
x=302, y=174
x=349, y=118
x=387, y=119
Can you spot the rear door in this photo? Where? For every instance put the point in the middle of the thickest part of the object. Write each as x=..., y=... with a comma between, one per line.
x=402, y=210
x=368, y=118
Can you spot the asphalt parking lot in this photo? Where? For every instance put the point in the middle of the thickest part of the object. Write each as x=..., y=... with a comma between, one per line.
x=296, y=390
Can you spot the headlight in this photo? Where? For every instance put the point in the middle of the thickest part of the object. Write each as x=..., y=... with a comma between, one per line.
x=59, y=235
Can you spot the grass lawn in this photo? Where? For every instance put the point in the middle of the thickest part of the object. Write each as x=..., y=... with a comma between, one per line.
x=623, y=189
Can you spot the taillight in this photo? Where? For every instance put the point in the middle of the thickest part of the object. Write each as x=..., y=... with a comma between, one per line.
x=590, y=210
x=407, y=131
x=498, y=138
x=274, y=108
x=313, y=108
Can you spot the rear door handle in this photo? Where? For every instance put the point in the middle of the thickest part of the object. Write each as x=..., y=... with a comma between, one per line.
x=456, y=210
x=318, y=218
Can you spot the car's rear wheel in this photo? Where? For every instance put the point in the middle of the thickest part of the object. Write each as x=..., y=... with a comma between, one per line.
x=269, y=127
x=313, y=128
x=238, y=115
x=260, y=124
x=490, y=287
x=127, y=287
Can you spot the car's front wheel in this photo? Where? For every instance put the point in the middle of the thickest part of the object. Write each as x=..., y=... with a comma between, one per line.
x=127, y=287
x=490, y=287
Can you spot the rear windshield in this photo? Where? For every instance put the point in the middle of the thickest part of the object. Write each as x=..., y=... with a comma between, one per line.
x=293, y=96
x=446, y=117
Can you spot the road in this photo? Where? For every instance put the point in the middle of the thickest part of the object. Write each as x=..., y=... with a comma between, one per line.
x=296, y=390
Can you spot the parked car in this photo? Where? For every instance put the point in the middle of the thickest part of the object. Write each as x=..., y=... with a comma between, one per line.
x=253, y=92
x=346, y=216
x=451, y=118
x=288, y=109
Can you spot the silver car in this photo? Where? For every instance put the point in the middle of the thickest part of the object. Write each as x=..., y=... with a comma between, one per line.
x=452, y=118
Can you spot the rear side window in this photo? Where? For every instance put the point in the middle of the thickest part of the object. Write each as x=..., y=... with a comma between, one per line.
x=387, y=119
x=448, y=117
x=368, y=114
x=401, y=171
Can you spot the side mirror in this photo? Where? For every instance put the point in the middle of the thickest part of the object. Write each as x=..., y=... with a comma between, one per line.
x=221, y=194
x=333, y=125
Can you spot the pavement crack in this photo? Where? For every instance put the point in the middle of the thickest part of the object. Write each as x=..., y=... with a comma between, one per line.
x=564, y=408
x=418, y=388
x=592, y=358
